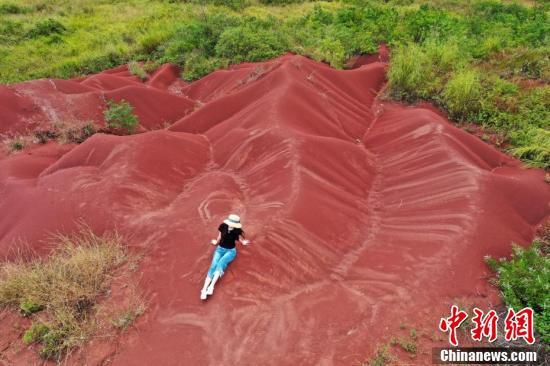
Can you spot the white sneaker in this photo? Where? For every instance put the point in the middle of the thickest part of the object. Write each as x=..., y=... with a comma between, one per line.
x=210, y=290
x=203, y=295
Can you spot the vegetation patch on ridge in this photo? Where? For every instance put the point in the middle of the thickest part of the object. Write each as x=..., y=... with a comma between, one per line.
x=62, y=292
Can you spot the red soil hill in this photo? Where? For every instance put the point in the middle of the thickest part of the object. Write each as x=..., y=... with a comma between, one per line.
x=43, y=103
x=363, y=215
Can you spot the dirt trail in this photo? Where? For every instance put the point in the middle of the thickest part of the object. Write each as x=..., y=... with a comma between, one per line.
x=363, y=214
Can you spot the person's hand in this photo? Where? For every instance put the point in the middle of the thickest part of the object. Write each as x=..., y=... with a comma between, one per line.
x=213, y=242
x=245, y=242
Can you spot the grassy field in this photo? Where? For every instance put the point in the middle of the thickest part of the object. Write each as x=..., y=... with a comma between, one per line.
x=524, y=281
x=484, y=62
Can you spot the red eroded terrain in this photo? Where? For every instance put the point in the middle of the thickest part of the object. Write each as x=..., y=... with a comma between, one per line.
x=364, y=215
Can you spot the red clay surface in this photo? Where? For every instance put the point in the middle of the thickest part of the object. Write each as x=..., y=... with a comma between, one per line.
x=366, y=217
x=42, y=103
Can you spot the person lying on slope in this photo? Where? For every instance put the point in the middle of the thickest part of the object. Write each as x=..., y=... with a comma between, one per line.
x=230, y=231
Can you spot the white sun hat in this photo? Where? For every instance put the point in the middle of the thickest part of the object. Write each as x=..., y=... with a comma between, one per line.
x=233, y=221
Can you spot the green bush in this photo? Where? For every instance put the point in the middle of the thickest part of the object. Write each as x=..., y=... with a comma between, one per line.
x=331, y=51
x=445, y=57
x=534, y=146
x=91, y=64
x=281, y=2
x=188, y=38
x=46, y=28
x=11, y=31
x=410, y=73
x=120, y=116
x=197, y=65
x=9, y=8
x=427, y=22
x=524, y=280
x=35, y=333
x=249, y=43
x=199, y=37
x=233, y=4
x=462, y=94
x=75, y=134
x=137, y=69
x=29, y=307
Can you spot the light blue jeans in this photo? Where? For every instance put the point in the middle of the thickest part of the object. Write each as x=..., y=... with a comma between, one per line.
x=220, y=261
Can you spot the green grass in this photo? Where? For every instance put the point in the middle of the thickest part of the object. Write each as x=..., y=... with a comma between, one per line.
x=524, y=280
x=29, y=307
x=35, y=333
x=137, y=70
x=381, y=358
x=462, y=94
x=473, y=59
x=120, y=116
x=62, y=292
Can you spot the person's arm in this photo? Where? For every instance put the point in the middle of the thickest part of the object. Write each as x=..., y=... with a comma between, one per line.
x=242, y=240
x=216, y=241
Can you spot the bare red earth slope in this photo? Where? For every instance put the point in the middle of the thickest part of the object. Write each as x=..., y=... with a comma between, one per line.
x=363, y=215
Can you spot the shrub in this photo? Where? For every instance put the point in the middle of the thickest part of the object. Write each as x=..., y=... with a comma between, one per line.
x=137, y=69
x=11, y=32
x=120, y=116
x=88, y=64
x=331, y=51
x=197, y=65
x=76, y=134
x=428, y=22
x=445, y=57
x=29, y=307
x=66, y=133
x=35, y=333
x=233, y=4
x=281, y=2
x=409, y=73
x=12, y=9
x=55, y=341
x=524, y=280
x=46, y=28
x=151, y=42
x=188, y=38
x=249, y=43
x=149, y=66
x=68, y=284
x=43, y=136
x=534, y=146
x=198, y=37
x=462, y=94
